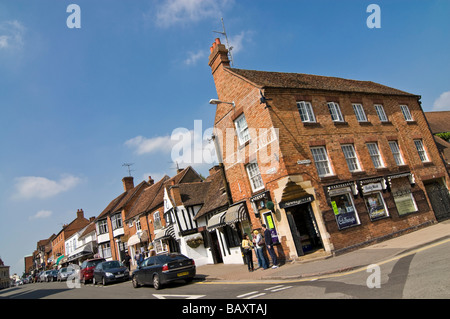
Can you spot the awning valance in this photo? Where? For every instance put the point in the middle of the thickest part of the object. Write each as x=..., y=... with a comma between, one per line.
x=235, y=214
x=141, y=236
x=216, y=221
x=164, y=233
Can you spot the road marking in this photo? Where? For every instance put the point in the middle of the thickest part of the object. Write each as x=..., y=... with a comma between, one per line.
x=178, y=296
x=270, y=288
x=247, y=294
x=256, y=296
x=282, y=288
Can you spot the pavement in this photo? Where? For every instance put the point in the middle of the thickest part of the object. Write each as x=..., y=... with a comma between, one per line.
x=322, y=264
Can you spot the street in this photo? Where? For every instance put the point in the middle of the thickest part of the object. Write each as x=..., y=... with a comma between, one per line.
x=418, y=274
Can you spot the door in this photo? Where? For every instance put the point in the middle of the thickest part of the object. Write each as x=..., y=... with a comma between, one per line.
x=304, y=229
x=215, y=248
x=440, y=200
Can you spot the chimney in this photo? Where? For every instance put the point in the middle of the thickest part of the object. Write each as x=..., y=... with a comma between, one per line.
x=213, y=170
x=151, y=181
x=91, y=219
x=218, y=56
x=128, y=183
x=80, y=214
x=179, y=170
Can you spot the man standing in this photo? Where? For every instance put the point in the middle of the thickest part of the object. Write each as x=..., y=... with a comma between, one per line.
x=269, y=245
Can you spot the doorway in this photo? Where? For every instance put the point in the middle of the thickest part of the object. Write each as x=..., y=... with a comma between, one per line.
x=215, y=248
x=439, y=199
x=304, y=229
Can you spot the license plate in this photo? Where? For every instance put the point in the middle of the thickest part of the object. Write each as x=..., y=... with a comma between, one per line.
x=118, y=276
x=184, y=273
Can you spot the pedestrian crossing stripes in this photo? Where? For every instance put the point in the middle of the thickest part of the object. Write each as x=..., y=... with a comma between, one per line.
x=256, y=294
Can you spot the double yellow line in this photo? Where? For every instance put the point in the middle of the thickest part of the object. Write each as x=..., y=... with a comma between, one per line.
x=333, y=275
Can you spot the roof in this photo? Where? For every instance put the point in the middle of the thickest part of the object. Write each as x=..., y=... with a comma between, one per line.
x=120, y=201
x=150, y=196
x=443, y=147
x=265, y=79
x=193, y=193
x=216, y=196
x=439, y=121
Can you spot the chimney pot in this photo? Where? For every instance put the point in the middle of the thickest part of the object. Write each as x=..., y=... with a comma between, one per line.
x=151, y=181
x=217, y=41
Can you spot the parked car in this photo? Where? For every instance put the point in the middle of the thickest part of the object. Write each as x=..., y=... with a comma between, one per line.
x=64, y=273
x=52, y=275
x=162, y=269
x=87, y=269
x=110, y=271
x=43, y=276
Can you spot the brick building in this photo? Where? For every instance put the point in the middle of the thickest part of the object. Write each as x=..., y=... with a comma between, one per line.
x=327, y=163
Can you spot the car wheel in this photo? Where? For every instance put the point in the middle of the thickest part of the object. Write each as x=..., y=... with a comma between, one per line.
x=93, y=281
x=103, y=281
x=156, y=282
x=135, y=282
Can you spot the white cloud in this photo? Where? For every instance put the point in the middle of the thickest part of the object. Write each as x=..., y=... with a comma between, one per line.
x=29, y=187
x=42, y=214
x=143, y=145
x=11, y=35
x=443, y=102
x=193, y=57
x=173, y=12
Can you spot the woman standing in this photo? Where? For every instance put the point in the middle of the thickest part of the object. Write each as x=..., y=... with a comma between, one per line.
x=259, y=244
x=247, y=246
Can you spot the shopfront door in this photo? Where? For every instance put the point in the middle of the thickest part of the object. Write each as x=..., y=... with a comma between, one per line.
x=304, y=229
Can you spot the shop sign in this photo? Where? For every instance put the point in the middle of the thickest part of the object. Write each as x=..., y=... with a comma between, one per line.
x=372, y=188
x=296, y=202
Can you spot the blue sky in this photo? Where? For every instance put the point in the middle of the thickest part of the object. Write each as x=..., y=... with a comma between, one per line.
x=78, y=103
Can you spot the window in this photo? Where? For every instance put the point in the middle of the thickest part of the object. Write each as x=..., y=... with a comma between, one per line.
x=344, y=208
x=306, y=111
x=359, y=112
x=242, y=129
x=102, y=226
x=255, y=176
x=396, y=153
x=116, y=221
x=105, y=250
x=375, y=155
x=350, y=157
x=406, y=114
x=138, y=224
x=157, y=220
x=375, y=205
x=335, y=112
x=404, y=201
x=380, y=112
x=421, y=150
x=321, y=160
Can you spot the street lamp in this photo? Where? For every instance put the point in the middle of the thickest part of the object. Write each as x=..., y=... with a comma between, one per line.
x=215, y=101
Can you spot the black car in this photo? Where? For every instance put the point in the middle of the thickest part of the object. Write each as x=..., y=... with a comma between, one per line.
x=110, y=271
x=162, y=269
x=52, y=275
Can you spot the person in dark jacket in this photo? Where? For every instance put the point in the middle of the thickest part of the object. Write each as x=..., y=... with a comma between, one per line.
x=269, y=246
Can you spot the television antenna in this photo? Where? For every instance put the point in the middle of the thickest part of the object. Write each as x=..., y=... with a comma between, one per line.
x=224, y=33
x=128, y=165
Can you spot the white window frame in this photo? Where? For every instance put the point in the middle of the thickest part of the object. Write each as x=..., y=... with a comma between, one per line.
x=351, y=157
x=406, y=113
x=421, y=151
x=381, y=113
x=306, y=112
x=359, y=112
x=242, y=129
x=254, y=175
x=116, y=221
x=157, y=220
x=375, y=155
x=322, y=161
x=138, y=224
x=102, y=226
x=104, y=249
x=335, y=112
x=396, y=152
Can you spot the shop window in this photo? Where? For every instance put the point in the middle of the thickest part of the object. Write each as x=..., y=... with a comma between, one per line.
x=344, y=208
x=405, y=203
x=375, y=205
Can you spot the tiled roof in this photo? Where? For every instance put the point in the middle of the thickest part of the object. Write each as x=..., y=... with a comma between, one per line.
x=314, y=82
x=439, y=121
x=215, y=197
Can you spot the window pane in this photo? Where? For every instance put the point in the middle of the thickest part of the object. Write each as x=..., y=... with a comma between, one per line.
x=375, y=155
x=380, y=112
x=335, y=112
x=350, y=157
x=421, y=150
x=321, y=161
x=359, y=112
x=396, y=153
x=405, y=110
